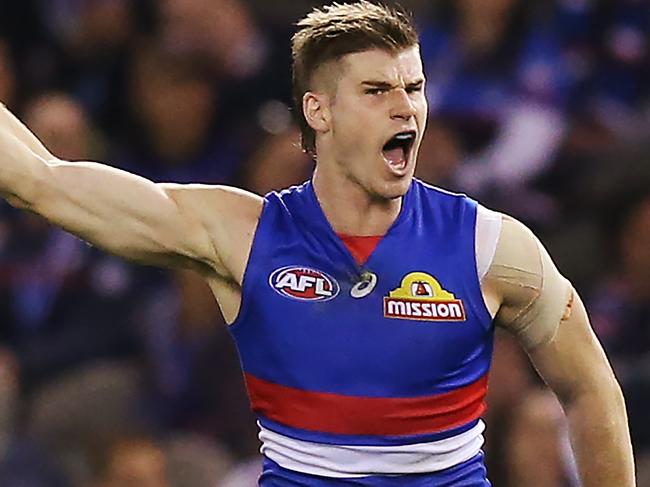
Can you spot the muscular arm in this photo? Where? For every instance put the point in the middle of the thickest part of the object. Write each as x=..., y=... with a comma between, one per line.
x=165, y=224
x=546, y=314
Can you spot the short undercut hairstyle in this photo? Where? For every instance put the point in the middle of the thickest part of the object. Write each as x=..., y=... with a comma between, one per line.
x=328, y=33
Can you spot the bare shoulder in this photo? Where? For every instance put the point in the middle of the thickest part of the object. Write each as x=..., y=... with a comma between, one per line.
x=229, y=216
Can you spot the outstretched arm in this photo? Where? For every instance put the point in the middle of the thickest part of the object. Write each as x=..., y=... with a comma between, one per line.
x=544, y=311
x=191, y=226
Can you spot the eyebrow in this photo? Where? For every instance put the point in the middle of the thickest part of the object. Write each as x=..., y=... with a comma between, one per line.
x=386, y=85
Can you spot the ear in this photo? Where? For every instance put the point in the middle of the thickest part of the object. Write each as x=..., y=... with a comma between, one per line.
x=315, y=107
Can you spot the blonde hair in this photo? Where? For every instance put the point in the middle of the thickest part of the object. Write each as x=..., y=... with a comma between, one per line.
x=332, y=31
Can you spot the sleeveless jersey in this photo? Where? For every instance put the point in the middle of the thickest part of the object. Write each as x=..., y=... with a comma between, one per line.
x=372, y=371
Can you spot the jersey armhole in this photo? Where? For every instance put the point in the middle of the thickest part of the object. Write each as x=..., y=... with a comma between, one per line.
x=487, y=235
x=243, y=304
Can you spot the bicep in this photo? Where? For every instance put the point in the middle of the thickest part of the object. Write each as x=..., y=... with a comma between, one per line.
x=125, y=214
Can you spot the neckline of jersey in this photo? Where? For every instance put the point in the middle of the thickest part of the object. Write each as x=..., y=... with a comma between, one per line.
x=318, y=219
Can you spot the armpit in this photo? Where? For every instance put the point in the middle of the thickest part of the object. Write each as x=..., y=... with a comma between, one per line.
x=535, y=296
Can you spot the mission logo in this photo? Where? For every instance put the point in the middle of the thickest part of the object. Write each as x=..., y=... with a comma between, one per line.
x=421, y=297
x=303, y=283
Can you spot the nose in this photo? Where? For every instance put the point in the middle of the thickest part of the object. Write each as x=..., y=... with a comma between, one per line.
x=402, y=107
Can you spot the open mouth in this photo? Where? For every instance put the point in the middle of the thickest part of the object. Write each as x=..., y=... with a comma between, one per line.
x=398, y=148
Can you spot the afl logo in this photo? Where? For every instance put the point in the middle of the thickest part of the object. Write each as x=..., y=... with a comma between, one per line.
x=303, y=283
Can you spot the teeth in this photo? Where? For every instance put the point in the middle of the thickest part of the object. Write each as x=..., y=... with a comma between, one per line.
x=405, y=140
x=407, y=136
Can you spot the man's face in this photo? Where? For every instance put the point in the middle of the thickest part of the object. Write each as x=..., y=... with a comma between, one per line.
x=377, y=115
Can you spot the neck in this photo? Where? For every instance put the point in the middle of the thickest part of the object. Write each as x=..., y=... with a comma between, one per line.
x=350, y=209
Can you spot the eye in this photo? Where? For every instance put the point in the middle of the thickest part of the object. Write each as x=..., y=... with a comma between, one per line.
x=376, y=91
x=414, y=88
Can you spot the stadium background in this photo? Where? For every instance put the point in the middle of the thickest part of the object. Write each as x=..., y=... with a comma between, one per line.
x=108, y=370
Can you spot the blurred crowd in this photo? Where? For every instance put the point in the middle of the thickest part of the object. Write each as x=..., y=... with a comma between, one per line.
x=116, y=375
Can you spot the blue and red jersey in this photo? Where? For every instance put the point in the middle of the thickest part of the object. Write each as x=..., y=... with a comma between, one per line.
x=357, y=370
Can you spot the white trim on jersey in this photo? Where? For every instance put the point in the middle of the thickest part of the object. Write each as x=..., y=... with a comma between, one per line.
x=339, y=461
x=488, y=231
